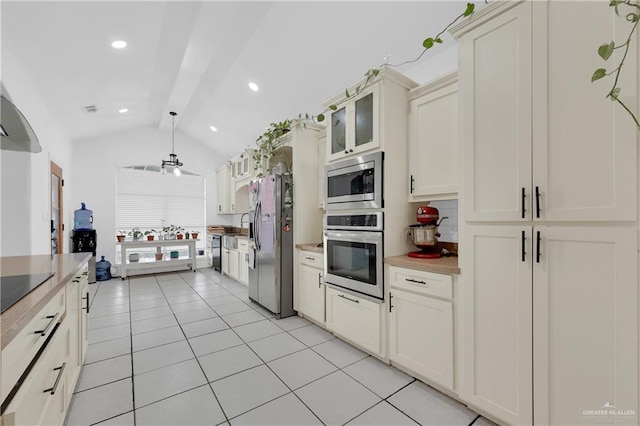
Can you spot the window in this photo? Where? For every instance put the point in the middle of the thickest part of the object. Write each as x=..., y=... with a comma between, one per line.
x=148, y=200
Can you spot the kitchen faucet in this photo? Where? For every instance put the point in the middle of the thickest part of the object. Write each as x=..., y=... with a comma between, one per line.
x=242, y=217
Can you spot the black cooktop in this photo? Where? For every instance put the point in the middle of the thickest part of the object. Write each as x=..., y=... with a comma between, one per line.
x=15, y=287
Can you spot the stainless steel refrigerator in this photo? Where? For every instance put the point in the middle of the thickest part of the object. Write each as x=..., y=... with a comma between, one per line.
x=271, y=244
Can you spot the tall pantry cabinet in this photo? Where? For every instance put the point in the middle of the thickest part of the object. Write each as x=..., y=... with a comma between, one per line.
x=549, y=270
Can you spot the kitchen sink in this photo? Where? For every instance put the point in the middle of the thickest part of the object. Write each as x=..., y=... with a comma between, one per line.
x=230, y=241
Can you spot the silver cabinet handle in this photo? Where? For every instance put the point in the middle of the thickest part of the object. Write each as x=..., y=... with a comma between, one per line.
x=55, y=385
x=319, y=279
x=349, y=299
x=52, y=319
x=415, y=281
x=310, y=258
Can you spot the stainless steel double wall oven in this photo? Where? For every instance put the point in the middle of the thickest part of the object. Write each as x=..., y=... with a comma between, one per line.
x=354, y=225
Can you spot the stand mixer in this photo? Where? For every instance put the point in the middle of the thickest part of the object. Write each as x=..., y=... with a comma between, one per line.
x=424, y=234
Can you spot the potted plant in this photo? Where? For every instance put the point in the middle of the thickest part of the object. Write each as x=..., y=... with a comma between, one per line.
x=179, y=233
x=159, y=253
x=136, y=233
x=150, y=234
x=121, y=236
x=269, y=144
x=194, y=234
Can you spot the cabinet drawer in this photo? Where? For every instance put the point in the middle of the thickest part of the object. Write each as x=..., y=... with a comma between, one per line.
x=309, y=258
x=427, y=283
x=243, y=244
x=17, y=355
x=42, y=397
x=355, y=319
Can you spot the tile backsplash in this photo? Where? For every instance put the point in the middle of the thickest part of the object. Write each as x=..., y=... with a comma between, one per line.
x=449, y=227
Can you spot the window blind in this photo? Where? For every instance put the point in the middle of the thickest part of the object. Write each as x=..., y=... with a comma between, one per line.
x=151, y=200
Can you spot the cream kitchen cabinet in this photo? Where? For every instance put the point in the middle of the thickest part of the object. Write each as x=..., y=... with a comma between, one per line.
x=421, y=324
x=540, y=141
x=230, y=263
x=322, y=159
x=355, y=319
x=242, y=166
x=42, y=398
x=243, y=260
x=77, y=311
x=310, y=286
x=364, y=122
x=433, y=140
x=225, y=195
x=539, y=296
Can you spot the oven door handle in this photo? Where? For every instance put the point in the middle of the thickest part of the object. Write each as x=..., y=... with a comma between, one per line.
x=372, y=237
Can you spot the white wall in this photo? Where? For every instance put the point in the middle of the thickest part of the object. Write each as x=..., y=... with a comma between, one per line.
x=25, y=197
x=444, y=62
x=96, y=161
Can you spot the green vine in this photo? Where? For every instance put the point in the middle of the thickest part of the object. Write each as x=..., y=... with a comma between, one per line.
x=267, y=143
x=606, y=50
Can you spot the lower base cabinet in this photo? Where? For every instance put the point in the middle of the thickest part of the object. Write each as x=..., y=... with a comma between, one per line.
x=43, y=398
x=421, y=324
x=357, y=320
x=311, y=293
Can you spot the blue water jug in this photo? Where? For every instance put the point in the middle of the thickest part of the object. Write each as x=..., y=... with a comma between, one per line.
x=82, y=218
x=103, y=270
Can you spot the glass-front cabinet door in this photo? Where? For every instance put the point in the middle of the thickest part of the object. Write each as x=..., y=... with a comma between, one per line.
x=339, y=131
x=364, y=120
x=354, y=125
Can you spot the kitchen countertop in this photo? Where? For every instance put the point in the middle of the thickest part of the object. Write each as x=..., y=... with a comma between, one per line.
x=444, y=265
x=310, y=247
x=17, y=316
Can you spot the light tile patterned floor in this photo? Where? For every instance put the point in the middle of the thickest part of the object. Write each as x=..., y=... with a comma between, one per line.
x=192, y=349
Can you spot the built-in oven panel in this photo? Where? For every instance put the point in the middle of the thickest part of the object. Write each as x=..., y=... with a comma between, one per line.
x=353, y=260
x=355, y=183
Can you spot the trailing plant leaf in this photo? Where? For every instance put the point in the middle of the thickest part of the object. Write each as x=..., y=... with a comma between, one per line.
x=428, y=43
x=614, y=94
x=605, y=50
x=469, y=10
x=598, y=74
x=320, y=117
x=346, y=93
x=333, y=107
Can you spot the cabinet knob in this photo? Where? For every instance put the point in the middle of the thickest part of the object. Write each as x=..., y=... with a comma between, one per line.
x=346, y=152
x=351, y=150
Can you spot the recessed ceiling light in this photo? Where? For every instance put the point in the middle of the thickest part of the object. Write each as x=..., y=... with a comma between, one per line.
x=123, y=110
x=213, y=128
x=119, y=44
x=253, y=86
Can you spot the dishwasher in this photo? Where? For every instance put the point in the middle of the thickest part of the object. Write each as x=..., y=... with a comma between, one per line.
x=216, y=252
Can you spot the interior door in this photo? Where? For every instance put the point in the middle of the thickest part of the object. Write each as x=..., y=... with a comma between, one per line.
x=57, y=227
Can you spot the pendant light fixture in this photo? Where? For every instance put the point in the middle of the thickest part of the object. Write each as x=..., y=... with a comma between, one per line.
x=173, y=158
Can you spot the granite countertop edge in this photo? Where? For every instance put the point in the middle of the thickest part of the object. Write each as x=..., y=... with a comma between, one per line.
x=16, y=317
x=310, y=247
x=443, y=265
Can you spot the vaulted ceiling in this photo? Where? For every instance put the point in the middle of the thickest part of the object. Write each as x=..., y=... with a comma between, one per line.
x=197, y=58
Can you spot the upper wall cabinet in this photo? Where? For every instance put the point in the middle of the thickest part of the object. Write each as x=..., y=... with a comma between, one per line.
x=355, y=126
x=223, y=181
x=242, y=166
x=539, y=140
x=433, y=140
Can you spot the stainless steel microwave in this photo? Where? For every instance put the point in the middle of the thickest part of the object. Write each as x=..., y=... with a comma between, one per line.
x=355, y=183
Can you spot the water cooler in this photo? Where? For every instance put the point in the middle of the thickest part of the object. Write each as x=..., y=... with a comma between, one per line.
x=84, y=238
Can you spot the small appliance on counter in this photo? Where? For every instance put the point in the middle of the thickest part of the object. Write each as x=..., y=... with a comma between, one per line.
x=424, y=234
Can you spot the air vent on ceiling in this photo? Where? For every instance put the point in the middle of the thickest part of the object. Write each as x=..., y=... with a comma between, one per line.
x=90, y=108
